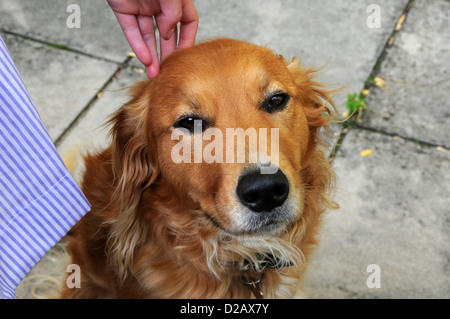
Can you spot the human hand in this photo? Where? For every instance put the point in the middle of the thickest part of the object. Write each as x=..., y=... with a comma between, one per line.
x=136, y=19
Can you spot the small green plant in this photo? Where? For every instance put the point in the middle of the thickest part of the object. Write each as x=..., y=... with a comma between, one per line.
x=58, y=46
x=355, y=104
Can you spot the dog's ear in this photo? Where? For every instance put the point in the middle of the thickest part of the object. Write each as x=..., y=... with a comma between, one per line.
x=135, y=169
x=316, y=99
x=320, y=111
x=134, y=166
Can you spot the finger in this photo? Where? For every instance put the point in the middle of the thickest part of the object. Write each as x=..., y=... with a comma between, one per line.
x=188, y=24
x=133, y=34
x=152, y=70
x=168, y=46
x=167, y=20
x=147, y=29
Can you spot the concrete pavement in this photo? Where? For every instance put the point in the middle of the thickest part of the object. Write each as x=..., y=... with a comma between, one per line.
x=394, y=203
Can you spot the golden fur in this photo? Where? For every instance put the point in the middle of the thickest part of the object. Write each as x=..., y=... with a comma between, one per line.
x=158, y=229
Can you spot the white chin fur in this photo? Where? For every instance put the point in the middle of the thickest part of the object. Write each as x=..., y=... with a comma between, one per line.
x=246, y=221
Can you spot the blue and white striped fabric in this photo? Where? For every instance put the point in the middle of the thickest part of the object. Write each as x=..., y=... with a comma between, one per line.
x=39, y=200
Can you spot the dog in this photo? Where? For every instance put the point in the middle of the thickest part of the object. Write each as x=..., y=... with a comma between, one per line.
x=165, y=228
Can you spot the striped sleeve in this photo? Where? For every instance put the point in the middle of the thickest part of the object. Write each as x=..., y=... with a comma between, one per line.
x=39, y=200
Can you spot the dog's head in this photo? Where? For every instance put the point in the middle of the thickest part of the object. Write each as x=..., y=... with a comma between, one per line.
x=233, y=129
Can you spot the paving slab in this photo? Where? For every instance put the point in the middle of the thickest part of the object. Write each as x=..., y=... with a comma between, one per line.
x=394, y=213
x=90, y=132
x=328, y=34
x=61, y=83
x=99, y=33
x=415, y=101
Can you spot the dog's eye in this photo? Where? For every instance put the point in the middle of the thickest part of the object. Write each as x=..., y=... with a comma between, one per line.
x=192, y=123
x=276, y=102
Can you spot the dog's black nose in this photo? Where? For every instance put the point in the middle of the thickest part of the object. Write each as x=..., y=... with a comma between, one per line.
x=263, y=192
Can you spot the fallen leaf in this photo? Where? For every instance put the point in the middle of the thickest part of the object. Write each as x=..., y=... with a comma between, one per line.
x=366, y=153
x=99, y=94
x=440, y=148
x=365, y=92
x=391, y=41
x=400, y=21
x=131, y=54
x=379, y=82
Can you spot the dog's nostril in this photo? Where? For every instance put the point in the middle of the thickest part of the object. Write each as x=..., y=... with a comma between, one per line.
x=263, y=192
x=280, y=190
x=251, y=197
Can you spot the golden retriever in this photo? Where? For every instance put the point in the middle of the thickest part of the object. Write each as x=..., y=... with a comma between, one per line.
x=161, y=227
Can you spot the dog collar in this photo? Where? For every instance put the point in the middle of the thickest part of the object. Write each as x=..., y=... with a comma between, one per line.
x=252, y=277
